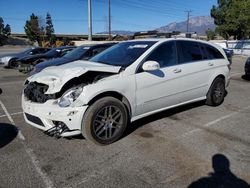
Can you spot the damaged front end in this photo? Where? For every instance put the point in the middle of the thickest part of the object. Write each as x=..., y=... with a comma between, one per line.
x=57, y=130
x=35, y=92
x=58, y=114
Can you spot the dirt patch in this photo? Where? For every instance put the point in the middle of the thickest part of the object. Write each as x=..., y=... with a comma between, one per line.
x=146, y=135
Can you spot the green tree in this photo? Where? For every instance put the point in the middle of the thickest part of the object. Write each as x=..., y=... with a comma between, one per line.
x=232, y=18
x=33, y=30
x=210, y=34
x=1, y=25
x=4, y=32
x=7, y=30
x=49, y=29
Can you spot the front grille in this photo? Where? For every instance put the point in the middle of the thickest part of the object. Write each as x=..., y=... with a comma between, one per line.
x=35, y=92
x=34, y=119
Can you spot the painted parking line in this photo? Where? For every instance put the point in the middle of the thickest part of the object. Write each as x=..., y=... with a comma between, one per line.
x=29, y=151
x=13, y=114
x=209, y=124
x=237, y=73
x=11, y=82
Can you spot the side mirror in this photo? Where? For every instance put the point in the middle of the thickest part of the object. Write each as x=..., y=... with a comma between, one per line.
x=151, y=66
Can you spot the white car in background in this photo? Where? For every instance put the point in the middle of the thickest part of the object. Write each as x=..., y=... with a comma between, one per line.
x=242, y=47
x=224, y=44
x=129, y=81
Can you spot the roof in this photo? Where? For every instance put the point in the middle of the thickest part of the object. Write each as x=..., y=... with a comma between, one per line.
x=100, y=44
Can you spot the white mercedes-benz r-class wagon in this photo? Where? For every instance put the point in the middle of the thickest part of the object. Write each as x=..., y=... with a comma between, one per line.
x=133, y=79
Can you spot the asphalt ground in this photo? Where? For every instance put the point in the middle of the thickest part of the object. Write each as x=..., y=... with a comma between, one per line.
x=189, y=146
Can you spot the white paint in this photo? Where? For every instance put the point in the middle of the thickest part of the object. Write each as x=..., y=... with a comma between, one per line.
x=35, y=161
x=11, y=82
x=16, y=113
x=29, y=151
x=7, y=113
x=236, y=74
x=189, y=133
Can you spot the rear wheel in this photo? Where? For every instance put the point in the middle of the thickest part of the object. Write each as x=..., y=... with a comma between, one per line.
x=216, y=93
x=105, y=121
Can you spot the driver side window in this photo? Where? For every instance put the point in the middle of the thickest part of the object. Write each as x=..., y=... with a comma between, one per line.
x=165, y=54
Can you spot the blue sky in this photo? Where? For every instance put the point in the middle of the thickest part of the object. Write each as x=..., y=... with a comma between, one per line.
x=70, y=16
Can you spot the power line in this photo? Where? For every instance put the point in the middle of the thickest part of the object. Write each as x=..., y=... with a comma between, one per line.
x=145, y=7
x=188, y=16
x=58, y=20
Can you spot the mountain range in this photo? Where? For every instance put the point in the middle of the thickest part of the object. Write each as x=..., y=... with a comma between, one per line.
x=198, y=24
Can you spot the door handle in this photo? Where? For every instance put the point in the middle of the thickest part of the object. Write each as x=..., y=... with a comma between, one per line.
x=210, y=64
x=177, y=70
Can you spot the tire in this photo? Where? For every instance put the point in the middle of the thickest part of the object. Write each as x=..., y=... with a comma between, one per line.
x=216, y=93
x=105, y=121
x=12, y=63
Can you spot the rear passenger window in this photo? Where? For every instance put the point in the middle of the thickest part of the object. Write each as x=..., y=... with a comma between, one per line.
x=213, y=53
x=165, y=54
x=204, y=52
x=188, y=51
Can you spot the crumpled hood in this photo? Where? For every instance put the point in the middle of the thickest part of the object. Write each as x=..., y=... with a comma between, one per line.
x=55, y=77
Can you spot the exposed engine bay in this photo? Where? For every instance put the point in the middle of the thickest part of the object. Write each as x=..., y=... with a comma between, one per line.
x=35, y=91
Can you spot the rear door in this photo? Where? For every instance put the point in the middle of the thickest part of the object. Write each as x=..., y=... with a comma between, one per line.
x=196, y=69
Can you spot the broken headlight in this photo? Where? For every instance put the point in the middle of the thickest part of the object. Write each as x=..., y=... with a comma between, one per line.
x=70, y=96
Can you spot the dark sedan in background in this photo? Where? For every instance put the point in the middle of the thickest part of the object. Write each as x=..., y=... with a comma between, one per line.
x=28, y=62
x=83, y=52
x=229, y=54
x=9, y=60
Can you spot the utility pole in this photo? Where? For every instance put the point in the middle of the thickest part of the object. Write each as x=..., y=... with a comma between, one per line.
x=90, y=20
x=188, y=16
x=109, y=19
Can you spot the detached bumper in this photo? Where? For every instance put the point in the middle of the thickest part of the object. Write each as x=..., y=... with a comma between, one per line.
x=53, y=119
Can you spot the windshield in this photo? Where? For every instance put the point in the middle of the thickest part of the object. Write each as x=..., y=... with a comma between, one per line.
x=123, y=54
x=26, y=51
x=52, y=52
x=77, y=53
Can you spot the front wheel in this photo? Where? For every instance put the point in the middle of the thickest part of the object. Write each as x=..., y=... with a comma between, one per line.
x=12, y=63
x=105, y=121
x=216, y=93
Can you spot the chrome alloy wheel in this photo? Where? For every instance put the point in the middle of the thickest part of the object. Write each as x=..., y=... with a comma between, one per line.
x=219, y=92
x=107, y=122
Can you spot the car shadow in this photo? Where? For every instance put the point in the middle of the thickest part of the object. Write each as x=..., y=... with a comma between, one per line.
x=8, y=133
x=245, y=77
x=221, y=177
x=167, y=113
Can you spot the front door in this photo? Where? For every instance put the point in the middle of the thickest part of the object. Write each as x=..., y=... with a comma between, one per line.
x=161, y=88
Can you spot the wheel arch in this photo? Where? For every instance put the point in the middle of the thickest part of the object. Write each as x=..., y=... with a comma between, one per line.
x=116, y=95
x=217, y=75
